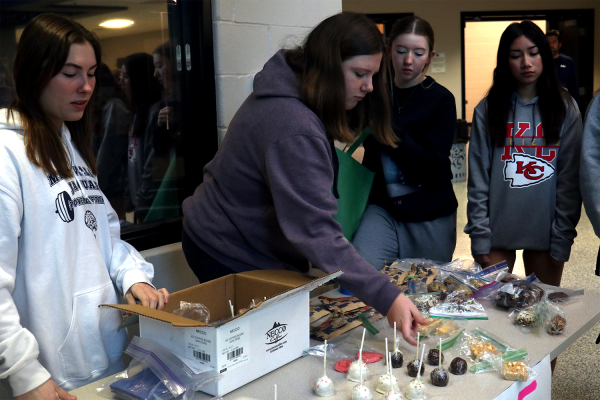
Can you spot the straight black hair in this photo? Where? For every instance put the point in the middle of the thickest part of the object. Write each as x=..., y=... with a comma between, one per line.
x=551, y=96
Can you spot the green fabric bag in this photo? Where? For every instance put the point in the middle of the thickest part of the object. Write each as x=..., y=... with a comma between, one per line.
x=354, y=185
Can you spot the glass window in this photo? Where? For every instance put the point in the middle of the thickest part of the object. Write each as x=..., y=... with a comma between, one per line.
x=154, y=114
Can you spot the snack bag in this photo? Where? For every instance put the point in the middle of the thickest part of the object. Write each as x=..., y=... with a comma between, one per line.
x=515, y=369
x=527, y=318
x=553, y=318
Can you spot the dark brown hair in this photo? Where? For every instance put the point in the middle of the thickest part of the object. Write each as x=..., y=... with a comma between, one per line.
x=416, y=25
x=318, y=63
x=555, y=32
x=41, y=53
x=551, y=97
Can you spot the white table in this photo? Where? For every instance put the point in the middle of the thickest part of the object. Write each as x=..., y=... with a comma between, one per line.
x=295, y=380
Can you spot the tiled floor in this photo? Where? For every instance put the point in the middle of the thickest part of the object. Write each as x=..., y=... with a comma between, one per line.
x=576, y=374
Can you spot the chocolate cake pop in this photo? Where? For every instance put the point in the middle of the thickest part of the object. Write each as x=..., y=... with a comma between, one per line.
x=433, y=357
x=397, y=356
x=439, y=376
x=458, y=366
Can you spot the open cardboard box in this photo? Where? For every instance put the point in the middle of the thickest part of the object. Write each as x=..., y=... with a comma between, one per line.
x=244, y=348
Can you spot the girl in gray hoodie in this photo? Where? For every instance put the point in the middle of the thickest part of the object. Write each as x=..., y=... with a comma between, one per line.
x=523, y=188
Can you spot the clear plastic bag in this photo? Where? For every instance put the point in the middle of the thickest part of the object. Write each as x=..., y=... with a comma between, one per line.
x=152, y=364
x=196, y=311
x=560, y=295
x=457, y=307
x=527, y=318
x=406, y=263
x=479, y=345
x=441, y=327
x=424, y=301
x=490, y=273
x=461, y=265
x=553, y=318
x=516, y=294
x=515, y=369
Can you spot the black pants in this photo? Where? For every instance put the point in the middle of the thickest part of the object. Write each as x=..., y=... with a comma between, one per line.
x=204, y=266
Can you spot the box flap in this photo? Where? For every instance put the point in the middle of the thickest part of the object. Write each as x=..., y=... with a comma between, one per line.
x=215, y=295
x=139, y=309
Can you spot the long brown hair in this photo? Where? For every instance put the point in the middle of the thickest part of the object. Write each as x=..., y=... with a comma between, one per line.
x=41, y=54
x=318, y=63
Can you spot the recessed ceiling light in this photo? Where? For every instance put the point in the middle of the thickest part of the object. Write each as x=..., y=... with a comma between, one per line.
x=117, y=23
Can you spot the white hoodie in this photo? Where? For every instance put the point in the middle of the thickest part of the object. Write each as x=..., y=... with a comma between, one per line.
x=60, y=257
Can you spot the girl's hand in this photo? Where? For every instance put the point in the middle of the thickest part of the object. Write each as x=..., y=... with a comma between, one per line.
x=407, y=318
x=147, y=295
x=48, y=390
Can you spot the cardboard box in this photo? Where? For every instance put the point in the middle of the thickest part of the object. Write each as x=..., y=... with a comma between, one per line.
x=244, y=348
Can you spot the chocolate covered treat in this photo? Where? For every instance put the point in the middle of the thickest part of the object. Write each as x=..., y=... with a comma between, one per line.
x=461, y=290
x=413, y=367
x=436, y=287
x=558, y=297
x=526, y=318
x=458, y=366
x=439, y=377
x=433, y=357
x=522, y=294
x=556, y=325
x=397, y=359
x=477, y=283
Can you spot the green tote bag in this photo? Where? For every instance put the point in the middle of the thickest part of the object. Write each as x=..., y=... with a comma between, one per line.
x=354, y=185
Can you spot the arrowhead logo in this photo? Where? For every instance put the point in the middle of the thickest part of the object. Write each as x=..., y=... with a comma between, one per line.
x=526, y=170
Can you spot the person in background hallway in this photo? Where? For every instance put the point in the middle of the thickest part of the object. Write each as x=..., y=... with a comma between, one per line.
x=143, y=91
x=62, y=255
x=111, y=125
x=266, y=200
x=523, y=187
x=413, y=206
x=563, y=64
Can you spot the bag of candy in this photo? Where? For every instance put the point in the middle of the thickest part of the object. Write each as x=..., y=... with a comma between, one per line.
x=553, y=317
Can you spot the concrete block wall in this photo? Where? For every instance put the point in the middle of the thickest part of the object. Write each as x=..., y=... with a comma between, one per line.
x=247, y=33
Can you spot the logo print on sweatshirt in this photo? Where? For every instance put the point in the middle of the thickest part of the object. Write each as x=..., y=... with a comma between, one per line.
x=526, y=170
x=132, y=150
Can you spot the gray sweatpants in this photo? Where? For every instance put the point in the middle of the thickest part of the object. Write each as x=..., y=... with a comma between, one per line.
x=381, y=239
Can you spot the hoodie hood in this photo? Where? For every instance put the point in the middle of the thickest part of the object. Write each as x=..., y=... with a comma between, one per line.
x=277, y=79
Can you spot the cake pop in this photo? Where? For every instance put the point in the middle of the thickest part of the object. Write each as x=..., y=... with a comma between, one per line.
x=416, y=389
x=433, y=357
x=439, y=376
x=397, y=356
x=458, y=366
x=387, y=382
x=360, y=391
x=324, y=386
x=358, y=367
x=394, y=393
x=414, y=366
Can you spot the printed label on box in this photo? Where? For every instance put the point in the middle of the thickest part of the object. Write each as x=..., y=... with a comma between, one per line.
x=200, y=345
x=234, y=345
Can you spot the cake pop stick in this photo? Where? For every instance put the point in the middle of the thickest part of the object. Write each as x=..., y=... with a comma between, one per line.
x=275, y=392
x=440, y=353
x=418, y=338
x=231, y=308
x=362, y=342
x=395, y=343
x=325, y=359
x=421, y=361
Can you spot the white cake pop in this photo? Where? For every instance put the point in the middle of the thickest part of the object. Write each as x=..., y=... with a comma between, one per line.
x=387, y=382
x=361, y=392
x=394, y=393
x=355, y=369
x=358, y=368
x=324, y=386
x=416, y=389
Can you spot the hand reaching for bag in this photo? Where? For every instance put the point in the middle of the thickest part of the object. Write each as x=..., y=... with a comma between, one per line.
x=147, y=295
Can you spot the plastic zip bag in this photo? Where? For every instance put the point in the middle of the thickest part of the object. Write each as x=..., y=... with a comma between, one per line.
x=454, y=307
x=515, y=369
x=553, y=318
x=527, y=318
x=479, y=345
x=155, y=373
x=196, y=311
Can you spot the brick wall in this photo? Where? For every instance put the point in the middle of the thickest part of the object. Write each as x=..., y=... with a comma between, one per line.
x=247, y=33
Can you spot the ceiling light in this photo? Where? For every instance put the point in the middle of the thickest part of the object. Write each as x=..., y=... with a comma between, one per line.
x=117, y=23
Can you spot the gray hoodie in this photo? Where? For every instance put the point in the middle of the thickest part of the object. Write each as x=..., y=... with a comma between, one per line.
x=524, y=195
x=266, y=200
x=590, y=164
